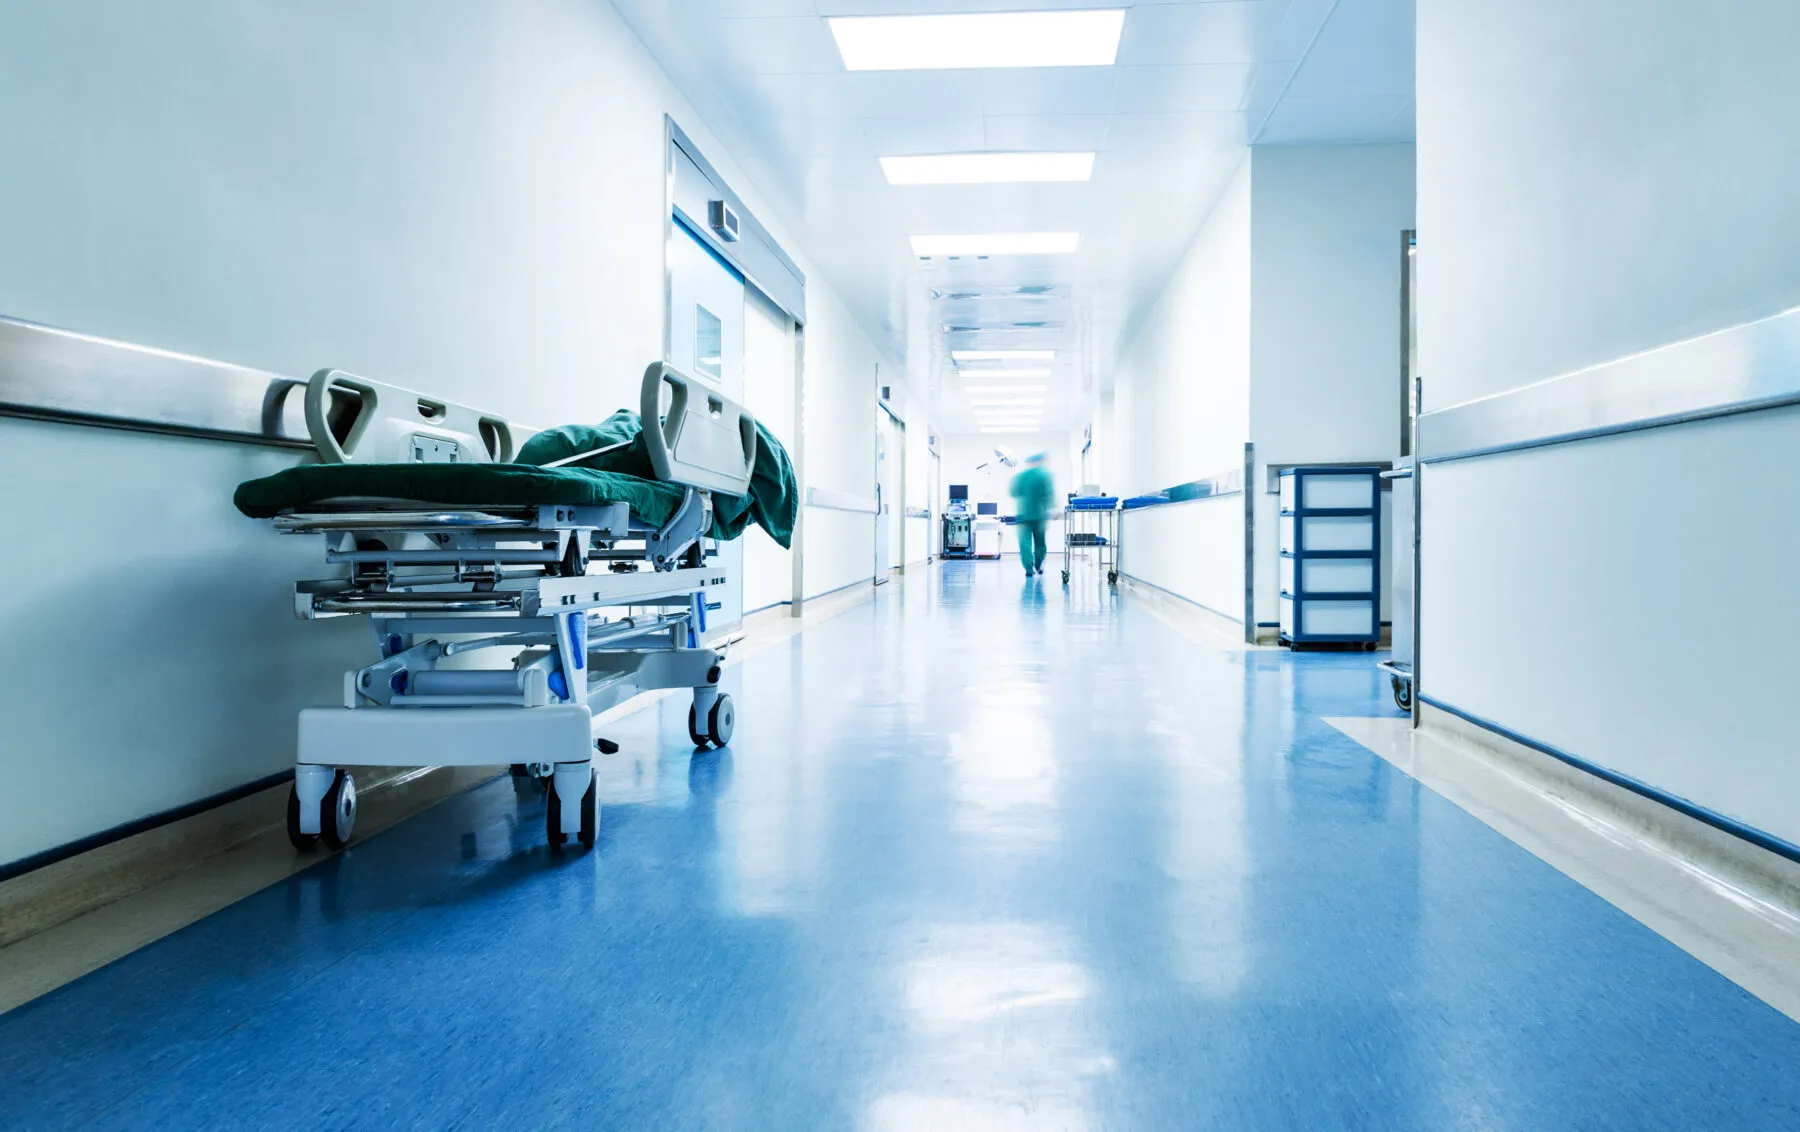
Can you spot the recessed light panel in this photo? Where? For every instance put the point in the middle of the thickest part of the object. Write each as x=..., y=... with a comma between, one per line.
x=1002, y=355
x=1003, y=389
x=979, y=39
x=1003, y=373
x=987, y=168
x=997, y=243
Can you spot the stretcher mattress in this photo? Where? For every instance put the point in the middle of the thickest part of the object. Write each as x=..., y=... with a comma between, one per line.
x=620, y=473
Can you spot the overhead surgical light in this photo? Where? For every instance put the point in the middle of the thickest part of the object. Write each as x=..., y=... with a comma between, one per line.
x=997, y=243
x=987, y=168
x=979, y=39
x=1002, y=355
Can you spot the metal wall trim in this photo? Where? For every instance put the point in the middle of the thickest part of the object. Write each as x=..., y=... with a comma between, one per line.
x=60, y=375
x=1741, y=369
x=1212, y=487
x=756, y=255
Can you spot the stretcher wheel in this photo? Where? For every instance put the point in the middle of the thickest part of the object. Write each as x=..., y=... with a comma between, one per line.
x=721, y=721
x=305, y=842
x=337, y=813
x=590, y=814
x=694, y=731
x=1403, y=697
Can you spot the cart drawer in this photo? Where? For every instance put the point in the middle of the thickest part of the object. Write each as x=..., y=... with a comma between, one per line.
x=1328, y=575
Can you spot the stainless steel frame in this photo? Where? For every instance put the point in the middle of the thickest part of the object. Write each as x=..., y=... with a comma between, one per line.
x=1741, y=369
x=1249, y=544
x=61, y=375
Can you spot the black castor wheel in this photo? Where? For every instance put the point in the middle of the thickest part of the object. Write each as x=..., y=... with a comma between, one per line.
x=1403, y=693
x=337, y=815
x=305, y=842
x=694, y=732
x=590, y=814
x=721, y=721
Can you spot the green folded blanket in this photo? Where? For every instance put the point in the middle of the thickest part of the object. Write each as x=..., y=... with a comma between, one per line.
x=623, y=475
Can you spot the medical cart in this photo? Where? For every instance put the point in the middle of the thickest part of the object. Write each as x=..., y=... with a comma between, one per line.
x=1091, y=530
x=1331, y=556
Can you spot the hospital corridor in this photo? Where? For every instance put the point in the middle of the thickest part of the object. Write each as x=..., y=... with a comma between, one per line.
x=899, y=565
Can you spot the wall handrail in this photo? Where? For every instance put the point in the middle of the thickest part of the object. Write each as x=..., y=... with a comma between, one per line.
x=830, y=499
x=1745, y=368
x=1211, y=487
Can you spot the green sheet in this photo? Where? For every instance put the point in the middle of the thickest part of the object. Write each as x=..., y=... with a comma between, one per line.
x=623, y=476
x=774, y=499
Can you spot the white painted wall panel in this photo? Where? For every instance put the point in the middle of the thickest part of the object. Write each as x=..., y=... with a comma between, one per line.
x=769, y=394
x=1325, y=315
x=1593, y=596
x=1193, y=550
x=1596, y=179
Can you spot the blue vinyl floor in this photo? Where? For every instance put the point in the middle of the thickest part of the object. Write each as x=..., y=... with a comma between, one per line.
x=983, y=855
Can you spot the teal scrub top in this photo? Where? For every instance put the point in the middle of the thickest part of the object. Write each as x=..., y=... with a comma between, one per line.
x=1033, y=488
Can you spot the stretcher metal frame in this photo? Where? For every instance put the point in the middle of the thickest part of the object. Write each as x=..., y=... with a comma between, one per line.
x=594, y=605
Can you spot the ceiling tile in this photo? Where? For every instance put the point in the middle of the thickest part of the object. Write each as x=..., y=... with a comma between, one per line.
x=1231, y=31
x=1155, y=90
x=896, y=136
x=913, y=94
x=1047, y=90
x=772, y=45
x=1046, y=131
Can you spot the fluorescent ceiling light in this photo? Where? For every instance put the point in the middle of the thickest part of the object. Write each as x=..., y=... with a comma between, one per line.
x=979, y=39
x=1007, y=402
x=1002, y=373
x=1002, y=355
x=1009, y=430
x=987, y=168
x=1003, y=389
x=997, y=243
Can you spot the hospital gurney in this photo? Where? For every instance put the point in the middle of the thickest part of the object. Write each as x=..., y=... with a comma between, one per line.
x=450, y=551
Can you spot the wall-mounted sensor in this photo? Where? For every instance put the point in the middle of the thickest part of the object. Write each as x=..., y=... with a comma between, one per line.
x=723, y=219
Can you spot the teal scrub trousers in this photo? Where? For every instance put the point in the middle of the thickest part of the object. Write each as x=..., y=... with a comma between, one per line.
x=1032, y=550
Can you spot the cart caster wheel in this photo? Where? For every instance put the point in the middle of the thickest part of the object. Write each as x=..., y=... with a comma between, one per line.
x=694, y=732
x=1112, y=577
x=590, y=815
x=1403, y=696
x=305, y=842
x=1065, y=577
x=337, y=813
x=721, y=721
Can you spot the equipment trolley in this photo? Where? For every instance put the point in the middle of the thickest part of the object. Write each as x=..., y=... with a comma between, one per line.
x=1091, y=530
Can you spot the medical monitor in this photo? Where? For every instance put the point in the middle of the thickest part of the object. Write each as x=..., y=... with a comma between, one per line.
x=987, y=508
x=959, y=493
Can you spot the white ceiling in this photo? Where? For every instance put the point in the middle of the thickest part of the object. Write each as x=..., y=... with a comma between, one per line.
x=1194, y=83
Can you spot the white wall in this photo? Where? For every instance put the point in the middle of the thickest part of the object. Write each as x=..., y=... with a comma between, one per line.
x=1596, y=179
x=1182, y=382
x=463, y=198
x=918, y=487
x=1193, y=549
x=769, y=394
x=840, y=374
x=1325, y=318
x=1604, y=176
x=1180, y=411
